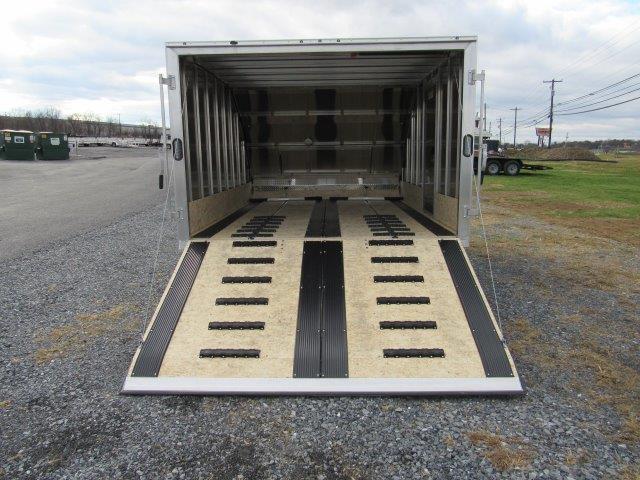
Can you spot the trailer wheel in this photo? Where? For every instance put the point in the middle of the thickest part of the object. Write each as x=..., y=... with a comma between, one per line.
x=493, y=167
x=512, y=168
x=113, y=144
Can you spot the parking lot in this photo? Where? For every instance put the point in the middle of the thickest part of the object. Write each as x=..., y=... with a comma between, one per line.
x=78, y=249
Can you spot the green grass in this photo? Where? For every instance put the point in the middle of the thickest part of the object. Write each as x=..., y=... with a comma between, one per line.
x=575, y=189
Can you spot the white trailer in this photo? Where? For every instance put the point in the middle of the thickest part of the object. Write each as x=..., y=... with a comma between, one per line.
x=323, y=191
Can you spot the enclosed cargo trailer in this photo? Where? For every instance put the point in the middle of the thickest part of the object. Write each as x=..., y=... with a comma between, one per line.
x=323, y=191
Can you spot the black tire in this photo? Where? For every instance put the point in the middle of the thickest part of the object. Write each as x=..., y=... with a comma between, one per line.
x=493, y=167
x=114, y=144
x=512, y=168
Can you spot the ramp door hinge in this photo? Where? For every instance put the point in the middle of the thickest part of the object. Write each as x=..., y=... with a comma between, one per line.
x=170, y=81
x=475, y=77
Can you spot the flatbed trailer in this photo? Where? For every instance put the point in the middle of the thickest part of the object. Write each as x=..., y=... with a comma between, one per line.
x=323, y=195
x=509, y=165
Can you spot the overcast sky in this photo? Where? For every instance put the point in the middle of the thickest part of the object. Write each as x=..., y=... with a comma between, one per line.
x=103, y=57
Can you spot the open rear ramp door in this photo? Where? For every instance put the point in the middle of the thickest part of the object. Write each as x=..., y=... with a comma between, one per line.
x=323, y=297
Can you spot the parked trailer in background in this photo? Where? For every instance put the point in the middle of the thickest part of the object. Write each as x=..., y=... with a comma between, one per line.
x=323, y=192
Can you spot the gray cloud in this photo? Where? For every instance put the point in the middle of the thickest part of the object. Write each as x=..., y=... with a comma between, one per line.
x=105, y=56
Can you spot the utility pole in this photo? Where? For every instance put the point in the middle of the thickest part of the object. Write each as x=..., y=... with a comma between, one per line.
x=553, y=82
x=566, y=139
x=515, y=124
x=500, y=129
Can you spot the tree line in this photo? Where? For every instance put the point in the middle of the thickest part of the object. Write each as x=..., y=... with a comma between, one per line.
x=78, y=125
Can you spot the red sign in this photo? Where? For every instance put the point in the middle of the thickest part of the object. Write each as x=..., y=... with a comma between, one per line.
x=542, y=131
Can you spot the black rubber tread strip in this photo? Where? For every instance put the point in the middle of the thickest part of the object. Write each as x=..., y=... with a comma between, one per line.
x=375, y=215
x=306, y=361
x=252, y=235
x=427, y=223
x=395, y=234
x=398, y=278
x=256, y=243
x=324, y=220
x=236, y=325
x=334, y=358
x=242, y=301
x=407, y=325
x=394, y=259
x=403, y=300
x=155, y=344
x=226, y=221
x=413, y=353
x=246, y=279
x=390, y=243
x=315, y=226
x=229, y=353
x=250, y=260
x=331, y=219
x=270, y=217
x=490, y=347
x=257, y=230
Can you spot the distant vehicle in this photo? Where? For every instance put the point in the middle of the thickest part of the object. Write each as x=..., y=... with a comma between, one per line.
x=498, y=162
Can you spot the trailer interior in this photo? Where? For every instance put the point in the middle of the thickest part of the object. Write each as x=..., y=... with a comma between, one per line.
x=322, y=191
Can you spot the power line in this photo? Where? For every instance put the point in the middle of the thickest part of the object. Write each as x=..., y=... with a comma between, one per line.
x=601, y=101
x=601, y=108
x=600, y=90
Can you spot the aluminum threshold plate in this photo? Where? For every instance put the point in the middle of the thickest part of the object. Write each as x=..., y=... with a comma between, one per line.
x=322, y=386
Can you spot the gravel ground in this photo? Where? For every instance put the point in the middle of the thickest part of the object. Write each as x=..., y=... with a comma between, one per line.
x=71, y=315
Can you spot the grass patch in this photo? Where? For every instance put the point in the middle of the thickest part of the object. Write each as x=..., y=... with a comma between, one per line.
x=75, y=335
x=601, y=198
x=502, y=453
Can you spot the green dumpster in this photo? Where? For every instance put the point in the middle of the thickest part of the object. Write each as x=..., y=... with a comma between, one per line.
x=17, y=145
x=52, y=146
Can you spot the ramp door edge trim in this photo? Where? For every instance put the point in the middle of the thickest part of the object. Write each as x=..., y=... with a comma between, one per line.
x=155, y=344
x=490, y=347
x=423, y=220
x=225, y=222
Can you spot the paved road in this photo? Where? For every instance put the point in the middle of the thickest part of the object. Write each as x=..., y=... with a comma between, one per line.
x=45, y=201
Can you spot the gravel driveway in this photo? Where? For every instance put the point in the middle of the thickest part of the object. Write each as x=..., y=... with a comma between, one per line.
x=71, y=315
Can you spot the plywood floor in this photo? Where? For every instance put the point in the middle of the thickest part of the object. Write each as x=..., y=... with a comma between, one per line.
x=365, y=339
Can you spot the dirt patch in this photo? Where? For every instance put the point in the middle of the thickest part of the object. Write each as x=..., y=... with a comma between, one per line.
x=75, y=336
x=557, y=153
x=504, y=454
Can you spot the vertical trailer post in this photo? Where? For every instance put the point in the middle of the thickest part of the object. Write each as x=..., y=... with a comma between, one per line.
x=236, y=147
x=447, y=144
x=186, y=140
x=163, y=138
x=177, y=113
x=216, y=133
x=232, y=159
x=244, y=162
x=196, y=119
x=223, y=134
x=424, y=132
x=207, y=121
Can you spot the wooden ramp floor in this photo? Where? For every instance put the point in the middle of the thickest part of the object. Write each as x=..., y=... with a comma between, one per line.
x=323, y=297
